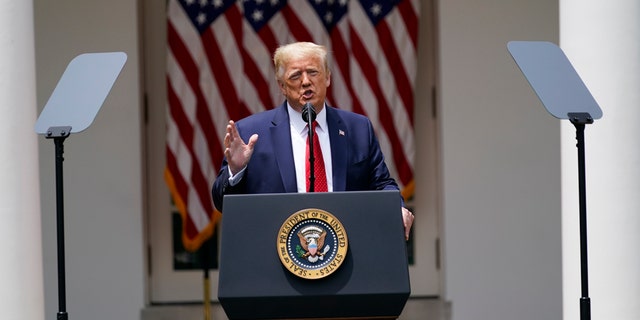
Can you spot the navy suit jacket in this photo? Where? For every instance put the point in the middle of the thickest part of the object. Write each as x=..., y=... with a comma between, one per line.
x=357, y=161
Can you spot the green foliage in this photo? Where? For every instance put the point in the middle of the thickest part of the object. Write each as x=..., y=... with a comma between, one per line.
x=299, y=251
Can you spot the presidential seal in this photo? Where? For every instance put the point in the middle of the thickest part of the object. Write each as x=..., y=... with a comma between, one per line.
x=312, y=243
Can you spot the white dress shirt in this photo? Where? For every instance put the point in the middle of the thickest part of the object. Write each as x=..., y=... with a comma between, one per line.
x=299, y=133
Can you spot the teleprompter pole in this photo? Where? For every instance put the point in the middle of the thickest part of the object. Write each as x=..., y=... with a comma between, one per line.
x=59, y=134
x=579, y=120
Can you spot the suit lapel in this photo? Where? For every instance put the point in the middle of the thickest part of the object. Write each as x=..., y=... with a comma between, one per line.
x=280, y=133
x=338, y=138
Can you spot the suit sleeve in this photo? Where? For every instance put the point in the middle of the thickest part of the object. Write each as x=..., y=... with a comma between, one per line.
x=221, y=186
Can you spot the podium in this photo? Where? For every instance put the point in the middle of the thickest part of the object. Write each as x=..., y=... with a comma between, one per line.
x=371, y=281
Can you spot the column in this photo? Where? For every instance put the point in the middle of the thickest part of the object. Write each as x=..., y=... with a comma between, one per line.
x=21, y=288
x=602, y=40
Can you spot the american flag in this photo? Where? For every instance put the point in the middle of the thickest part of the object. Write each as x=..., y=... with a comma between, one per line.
x=219, y=68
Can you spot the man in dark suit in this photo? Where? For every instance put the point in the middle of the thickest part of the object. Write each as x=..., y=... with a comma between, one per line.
x=276, y=162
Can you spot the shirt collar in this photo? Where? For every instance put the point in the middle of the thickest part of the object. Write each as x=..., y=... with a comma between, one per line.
x=295, y=119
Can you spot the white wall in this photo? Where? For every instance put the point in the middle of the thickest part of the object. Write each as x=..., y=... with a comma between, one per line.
x=601, y=40
x=501, y=165
x=21, y=292
x=102, y=168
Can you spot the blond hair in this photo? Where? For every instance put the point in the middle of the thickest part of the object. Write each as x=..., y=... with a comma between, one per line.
x=285, y=53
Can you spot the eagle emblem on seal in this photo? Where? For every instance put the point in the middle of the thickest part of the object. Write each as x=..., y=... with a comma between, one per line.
x=312, y=243
x=312, y=246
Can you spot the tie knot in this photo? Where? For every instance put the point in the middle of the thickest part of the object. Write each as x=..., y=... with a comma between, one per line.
x=314, y=125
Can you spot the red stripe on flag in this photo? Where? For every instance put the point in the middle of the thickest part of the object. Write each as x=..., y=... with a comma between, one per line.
x=410, y=19
x=296, y=27
x=403, y=85
x=187, y=224
x=341, y=61
x=196, y=177
x=222, y=75
x=369, y=69
x=192, y=74
x=258, y=81
x=177, y=114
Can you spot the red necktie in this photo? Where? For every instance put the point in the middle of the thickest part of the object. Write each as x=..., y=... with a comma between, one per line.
x=319, y=173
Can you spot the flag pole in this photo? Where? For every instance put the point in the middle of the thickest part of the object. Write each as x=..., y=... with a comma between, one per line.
x=205, y=280
x=207, y=296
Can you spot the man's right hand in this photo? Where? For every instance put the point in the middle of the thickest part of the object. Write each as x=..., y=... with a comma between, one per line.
x=236, y=151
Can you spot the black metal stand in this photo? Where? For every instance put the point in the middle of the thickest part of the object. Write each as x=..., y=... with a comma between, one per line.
x=312, y=176
x=59, y=134
x=309, y=116
x=579, y=120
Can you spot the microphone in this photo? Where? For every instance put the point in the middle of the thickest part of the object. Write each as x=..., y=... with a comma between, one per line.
x=309, y=116
x=307, y=110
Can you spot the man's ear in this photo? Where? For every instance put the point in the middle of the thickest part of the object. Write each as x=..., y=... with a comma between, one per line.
x=281, y=85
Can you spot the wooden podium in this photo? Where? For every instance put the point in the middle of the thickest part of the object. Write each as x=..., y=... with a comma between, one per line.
x=372, y=281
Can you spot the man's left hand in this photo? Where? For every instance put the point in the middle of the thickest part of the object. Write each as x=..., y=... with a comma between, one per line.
x=407, y=219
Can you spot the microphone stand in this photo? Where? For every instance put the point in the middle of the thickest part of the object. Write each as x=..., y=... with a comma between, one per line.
x=309, y=116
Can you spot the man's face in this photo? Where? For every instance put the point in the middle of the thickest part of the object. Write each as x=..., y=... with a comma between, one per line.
x=305, y=80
